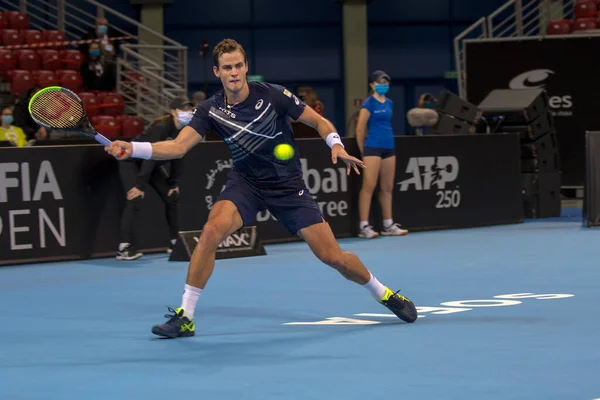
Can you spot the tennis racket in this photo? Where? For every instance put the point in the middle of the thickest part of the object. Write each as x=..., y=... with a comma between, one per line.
x=60, y=109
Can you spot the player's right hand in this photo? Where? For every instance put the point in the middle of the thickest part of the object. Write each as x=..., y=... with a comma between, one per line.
x=119, y=149
x=133, y=193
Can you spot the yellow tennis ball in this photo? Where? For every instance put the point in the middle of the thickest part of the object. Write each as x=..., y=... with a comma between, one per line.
x=284, y=151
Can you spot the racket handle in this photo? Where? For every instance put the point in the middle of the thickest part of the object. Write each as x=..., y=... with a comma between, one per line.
x=106, y=142
x=102, y=140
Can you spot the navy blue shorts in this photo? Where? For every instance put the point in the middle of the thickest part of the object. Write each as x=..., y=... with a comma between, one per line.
x=378, y=152
x=291, y=205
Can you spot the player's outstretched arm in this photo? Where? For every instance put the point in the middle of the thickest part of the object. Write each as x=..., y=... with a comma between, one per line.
x=328, y=132
x=165, y=150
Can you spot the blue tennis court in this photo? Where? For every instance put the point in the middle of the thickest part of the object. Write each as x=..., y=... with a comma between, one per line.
x=507, y=312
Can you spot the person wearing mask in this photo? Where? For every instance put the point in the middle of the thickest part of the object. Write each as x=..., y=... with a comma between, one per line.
x=9, y=132
x=375, y=139
x=97, y=72
x=102, y=33
x=426, y=100
x=136, y=175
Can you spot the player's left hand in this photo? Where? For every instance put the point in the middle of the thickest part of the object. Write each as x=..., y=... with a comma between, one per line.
x=351, y=162
x=173, y=191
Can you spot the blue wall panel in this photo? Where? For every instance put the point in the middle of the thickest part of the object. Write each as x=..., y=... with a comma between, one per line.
x=404, y=51
x=204, y=13
x=295, y=11
x=399, y=10
x=298, y=54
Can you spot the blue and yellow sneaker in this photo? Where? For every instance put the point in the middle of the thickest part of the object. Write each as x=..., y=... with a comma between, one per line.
x=176, y=326
x=399, y=305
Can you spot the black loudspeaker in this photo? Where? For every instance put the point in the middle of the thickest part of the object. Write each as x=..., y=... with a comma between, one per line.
x=541, y=195
x=515, y=107
x=541, y=155
x=451, y=104
x=448, y=125
x=541, y=126
x=243, y=243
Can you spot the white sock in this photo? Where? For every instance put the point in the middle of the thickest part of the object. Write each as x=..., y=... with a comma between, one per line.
x=190, y=298
x=363, y=224
x=375, y=287
x=387, y=223
x=122, y=246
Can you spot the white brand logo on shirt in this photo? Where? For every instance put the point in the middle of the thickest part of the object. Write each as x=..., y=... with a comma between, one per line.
x=259, y=104
x=232, y=115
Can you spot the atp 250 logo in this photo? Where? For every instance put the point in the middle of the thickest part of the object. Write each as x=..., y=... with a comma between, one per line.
x=430, y=173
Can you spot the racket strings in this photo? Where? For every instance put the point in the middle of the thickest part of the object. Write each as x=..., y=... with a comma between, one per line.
x=57, y=109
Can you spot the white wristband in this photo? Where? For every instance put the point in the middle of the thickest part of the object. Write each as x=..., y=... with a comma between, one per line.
x=141, y=150
x=332, y=139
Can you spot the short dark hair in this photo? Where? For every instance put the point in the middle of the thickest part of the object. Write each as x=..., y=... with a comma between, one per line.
x=227, y=46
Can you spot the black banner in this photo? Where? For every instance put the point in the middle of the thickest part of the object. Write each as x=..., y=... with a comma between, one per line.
x=591, y=200
x=65, y=202
x=457, y=181
x=564, y=67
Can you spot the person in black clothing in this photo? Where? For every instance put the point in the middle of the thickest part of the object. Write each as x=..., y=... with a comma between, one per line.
x=98, y=72
x=22, y=117
x=137, y=175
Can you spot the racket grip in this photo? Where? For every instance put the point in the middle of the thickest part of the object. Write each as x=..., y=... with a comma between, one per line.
x=102, y=140
x=106, y=142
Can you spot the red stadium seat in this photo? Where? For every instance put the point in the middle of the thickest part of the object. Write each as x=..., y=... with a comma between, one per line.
x=8, y=62
x=586, y=9
x=3, y=21
x=558, y=27
x=21, y=81
x=49, y=59
x=71, y=59
x=17, y=20
x=585, y=24
x=71, y=80
x=31, y=36
x=112, y=104
x=54, y=36
x=28, y=59
x=130, y=83
x=132, y=126
x=107, y=125
x=11, y=37
x=61, y=72
x=123, y=117
x=45, y=78
x=90, y=103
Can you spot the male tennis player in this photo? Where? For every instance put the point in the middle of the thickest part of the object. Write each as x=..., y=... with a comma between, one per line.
x=252, y=118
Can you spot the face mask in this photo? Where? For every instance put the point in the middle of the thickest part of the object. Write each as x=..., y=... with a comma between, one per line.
x=184, y=117
x=7, y=119
x=102, y=29
x=95, y=53
x=382, y=88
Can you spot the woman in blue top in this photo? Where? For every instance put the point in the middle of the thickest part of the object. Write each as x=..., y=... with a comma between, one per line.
x=376, y=143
